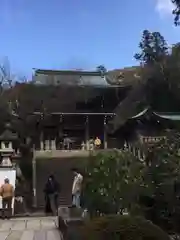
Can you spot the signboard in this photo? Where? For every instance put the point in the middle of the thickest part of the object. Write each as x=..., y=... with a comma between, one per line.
x=11, y=175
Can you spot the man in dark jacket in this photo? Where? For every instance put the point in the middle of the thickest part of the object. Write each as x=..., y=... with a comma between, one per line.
x=51, y=191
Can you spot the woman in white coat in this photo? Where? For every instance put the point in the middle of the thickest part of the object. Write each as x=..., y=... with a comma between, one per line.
x=76, y=188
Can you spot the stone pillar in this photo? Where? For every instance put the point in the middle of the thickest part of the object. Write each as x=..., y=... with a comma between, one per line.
x=87, y=132
x=10, y=145
x=105, y=133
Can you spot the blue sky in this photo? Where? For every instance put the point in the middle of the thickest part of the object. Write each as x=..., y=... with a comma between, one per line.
x=79, y=33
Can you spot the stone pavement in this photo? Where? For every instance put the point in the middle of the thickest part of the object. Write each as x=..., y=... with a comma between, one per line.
x=44, y=228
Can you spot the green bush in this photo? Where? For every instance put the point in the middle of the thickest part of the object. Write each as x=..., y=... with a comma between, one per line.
x=161, y=192
x=118, y=227
x=112, y=182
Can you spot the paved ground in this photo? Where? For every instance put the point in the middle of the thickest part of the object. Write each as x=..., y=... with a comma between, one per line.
x=29, y=229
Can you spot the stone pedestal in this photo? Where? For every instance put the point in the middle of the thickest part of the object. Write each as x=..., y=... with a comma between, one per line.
x=64, y=213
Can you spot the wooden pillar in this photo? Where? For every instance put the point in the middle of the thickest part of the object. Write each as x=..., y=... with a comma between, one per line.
x=87, y=132
x=60, y=132
x=43, y=145
x=34, y=180
x=105, y=132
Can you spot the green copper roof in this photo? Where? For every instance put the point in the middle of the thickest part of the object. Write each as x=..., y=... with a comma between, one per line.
x=140, y=114
x=168, y=116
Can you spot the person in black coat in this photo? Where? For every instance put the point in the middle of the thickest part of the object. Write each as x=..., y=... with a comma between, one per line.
x=51, y=191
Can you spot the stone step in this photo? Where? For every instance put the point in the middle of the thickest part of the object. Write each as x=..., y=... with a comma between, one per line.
x=68, y=213
x=75, y=212
x=63, y=200
x=61, y=169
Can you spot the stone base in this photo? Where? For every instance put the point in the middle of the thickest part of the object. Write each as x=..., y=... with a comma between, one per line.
x=69, y=219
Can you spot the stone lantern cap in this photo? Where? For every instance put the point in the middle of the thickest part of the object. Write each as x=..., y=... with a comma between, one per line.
x=8, y=135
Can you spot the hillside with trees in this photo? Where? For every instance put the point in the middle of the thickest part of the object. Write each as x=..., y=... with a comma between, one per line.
x=158, y=86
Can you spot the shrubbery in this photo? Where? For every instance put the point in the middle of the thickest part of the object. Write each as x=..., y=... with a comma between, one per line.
x=116, y=181
x=121, y=228
x=112, y=182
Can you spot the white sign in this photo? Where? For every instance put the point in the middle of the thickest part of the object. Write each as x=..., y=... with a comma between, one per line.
x=11, y=175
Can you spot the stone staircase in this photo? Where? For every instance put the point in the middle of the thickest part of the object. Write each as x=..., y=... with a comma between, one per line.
x=61, y=169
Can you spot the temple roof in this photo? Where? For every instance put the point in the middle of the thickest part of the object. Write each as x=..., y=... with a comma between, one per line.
x=118, y=121
x=125, y=76
x=67, y=72
x=128, y=107
x=168, y=115
x=140, y=114
x=8, y=135
x=69, y=77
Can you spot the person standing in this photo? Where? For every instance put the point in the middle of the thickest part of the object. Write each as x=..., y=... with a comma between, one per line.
x=76, y=188
x=51, y=191
x=7, y=193
x=97, y=142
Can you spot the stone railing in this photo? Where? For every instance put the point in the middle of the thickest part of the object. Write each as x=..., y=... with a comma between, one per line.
x=60, y=153
x=48, y=154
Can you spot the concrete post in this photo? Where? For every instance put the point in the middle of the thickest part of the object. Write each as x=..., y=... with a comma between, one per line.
x=105, y=133
x=34, y=180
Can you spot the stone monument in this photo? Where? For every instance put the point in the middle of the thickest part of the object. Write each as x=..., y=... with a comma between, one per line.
x=7, y=153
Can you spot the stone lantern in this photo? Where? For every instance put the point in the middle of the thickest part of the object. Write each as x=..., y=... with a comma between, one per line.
x=7, y=153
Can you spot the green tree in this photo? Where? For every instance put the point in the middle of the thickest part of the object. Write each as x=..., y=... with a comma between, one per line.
x=158, y=85
x=173, y=70
x=160, y=71
x=176, y=11
x=153, y=48
x=101, y=68
x=153, y=55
